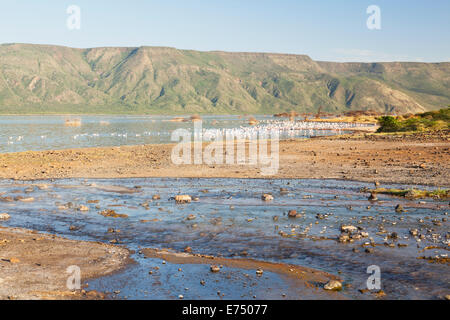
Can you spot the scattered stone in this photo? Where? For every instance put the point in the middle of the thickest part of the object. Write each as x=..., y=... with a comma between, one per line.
x=156, y=197
x=373, y=197
x=275, y=218
x=292, y=214
x=29, y=190
x=183, y=199
x=393, y=235
x=348, y=228
x=343, y=238
x=259, y=272
x=4, y=216
x=369, y=250
x=112, y=214
x=267, y=197
x=191, y=217
x=380, y=294
x=83, y=208
x=12, y=260
x=215, y=268
x=333, y=285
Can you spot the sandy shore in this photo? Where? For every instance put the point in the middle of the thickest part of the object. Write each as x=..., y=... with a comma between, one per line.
x=33, y=265
x=302, y=277
x=413, y=159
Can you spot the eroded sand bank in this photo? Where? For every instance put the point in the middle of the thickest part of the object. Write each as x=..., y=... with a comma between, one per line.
x=34, y=265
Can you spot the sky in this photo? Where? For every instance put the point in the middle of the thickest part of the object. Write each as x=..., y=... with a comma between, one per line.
x=331, y=30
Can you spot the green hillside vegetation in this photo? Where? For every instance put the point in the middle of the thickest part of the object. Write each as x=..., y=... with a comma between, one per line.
x=146, y=80
x=432, y=120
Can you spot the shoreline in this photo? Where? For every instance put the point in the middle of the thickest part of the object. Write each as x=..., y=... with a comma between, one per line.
x=416, y=159
x=34, y=265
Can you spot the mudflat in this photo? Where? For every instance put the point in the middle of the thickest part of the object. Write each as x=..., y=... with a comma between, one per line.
x=422, y=158
x=34, y=265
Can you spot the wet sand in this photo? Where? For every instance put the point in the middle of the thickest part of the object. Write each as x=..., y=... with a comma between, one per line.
x=33, y=265
x=412, y=159
x=305, y=278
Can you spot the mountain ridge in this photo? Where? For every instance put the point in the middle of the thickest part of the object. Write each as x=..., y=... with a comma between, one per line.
x=165, y=80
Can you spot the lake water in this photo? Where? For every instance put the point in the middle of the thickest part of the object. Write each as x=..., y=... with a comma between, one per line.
x=231, y=218
x=22, y=133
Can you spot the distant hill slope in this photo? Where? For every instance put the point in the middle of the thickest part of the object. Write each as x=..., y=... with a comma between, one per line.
x=53, y=79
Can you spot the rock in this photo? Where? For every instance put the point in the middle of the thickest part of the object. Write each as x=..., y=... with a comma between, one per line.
x=373, y=197
x=369, y=250
x=414, y=232
x=275, y=218
x=29, y=190
x=364, y=234
x=191, y=217
x=259, y=272
x=156, y=197
x=348, y=228
x=333, y=285
x=267, y=197
x=4, y=216
x=188, y=249
x=6, y=199
x=73, y=228
x=399, y=208
x=12, y=260
x=112, y=214
x=83, y=208
x=393, y=235
x=292, y=214
x=380, y=294
x=183, y=199
x=447, y=297
x=343, y=238
x=215, y=268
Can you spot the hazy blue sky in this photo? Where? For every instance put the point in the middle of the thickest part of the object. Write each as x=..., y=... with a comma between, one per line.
x=326, y=30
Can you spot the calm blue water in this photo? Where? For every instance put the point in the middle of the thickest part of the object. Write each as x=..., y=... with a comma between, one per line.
x=23, y=133
x=231, y=218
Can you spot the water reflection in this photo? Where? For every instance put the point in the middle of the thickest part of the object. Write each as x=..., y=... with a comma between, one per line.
x=23, y=133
